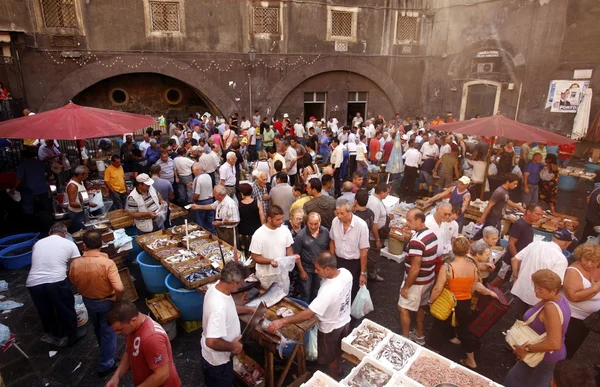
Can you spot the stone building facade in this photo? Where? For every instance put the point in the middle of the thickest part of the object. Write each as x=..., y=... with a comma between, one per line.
x=301, y=57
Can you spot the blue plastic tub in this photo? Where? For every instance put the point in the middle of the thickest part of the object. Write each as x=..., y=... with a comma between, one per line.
x=547, y=235
x=567, y=183
x=18, y=238
x=592, y=168
x=153, y=273
x=17, y=256
x=189, y=302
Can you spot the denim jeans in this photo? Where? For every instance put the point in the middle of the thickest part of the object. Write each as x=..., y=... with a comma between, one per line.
x=184, y=192
x=309, y=288
x=107, y=339
x=563, y=163
x=76, y=220
x=55, y=304
x=532, y=196
x=205, y=218
x=521, y=375
x=218, y=376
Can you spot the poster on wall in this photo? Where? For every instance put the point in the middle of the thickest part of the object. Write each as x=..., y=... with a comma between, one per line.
x=565, y=96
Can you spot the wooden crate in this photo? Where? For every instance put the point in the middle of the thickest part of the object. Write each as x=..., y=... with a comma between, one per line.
x=163, y=309
x=252, y=364
x=120, y=259
x=130, y=294
x=193, y=285
x=177, y=212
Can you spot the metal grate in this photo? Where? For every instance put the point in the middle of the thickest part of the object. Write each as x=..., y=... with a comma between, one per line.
x=341, y=23
x=59, y=13
x=164, y=16
x=63, y=41
x=406, y=30
x=266, y=20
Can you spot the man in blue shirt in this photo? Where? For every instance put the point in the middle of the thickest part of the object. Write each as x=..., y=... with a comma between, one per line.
x=152, y=153
x=31, y=177
x=191, y=122
x=164, y=188
x=531, y=179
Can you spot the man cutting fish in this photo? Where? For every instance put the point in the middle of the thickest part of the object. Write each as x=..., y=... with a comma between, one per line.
x=332, y=307
x=221, y=326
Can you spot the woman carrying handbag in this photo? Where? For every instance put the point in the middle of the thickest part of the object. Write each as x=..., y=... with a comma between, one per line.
x=548, y=321
x=457, y=280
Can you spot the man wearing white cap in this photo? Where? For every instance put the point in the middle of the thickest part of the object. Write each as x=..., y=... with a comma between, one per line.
x=144, y=204
x=459, y=195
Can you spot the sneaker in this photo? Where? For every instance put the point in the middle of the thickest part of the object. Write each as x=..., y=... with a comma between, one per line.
x=62, y=342
x=110, y=370
x=419, y=340
x=376, y=278
x=79, y=334
x=48, y=339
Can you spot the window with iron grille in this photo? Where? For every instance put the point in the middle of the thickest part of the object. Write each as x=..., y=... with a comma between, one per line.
x=265, y=20
x=407, y=28
x=59, y=14
x=341, y=24
x=164, y=16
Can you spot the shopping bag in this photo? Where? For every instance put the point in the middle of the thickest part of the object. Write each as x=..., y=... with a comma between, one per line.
x=362, y=304
x=312, y=347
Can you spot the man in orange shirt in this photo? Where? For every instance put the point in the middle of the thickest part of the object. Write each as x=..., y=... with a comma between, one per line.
x=97, y=279
x=374, y=146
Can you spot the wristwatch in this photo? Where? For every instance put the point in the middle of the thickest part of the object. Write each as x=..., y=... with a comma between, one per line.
x=363, y=273
x=527, y=348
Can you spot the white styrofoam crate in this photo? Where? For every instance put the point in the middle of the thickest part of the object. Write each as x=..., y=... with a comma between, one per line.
x=322, y=377
x=381, y=345
x=368, y=360
x=347, y=341
x=469, y=371
x=396, y=258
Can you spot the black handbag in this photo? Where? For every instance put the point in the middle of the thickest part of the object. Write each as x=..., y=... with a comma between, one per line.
x=592, y=322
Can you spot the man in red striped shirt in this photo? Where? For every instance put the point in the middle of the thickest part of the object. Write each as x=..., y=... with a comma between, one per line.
x=419, y=275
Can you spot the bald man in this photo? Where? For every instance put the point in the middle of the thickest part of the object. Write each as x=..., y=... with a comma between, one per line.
x=444, y=227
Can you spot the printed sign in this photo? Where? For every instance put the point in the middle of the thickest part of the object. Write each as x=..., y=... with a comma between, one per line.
x=565, y=96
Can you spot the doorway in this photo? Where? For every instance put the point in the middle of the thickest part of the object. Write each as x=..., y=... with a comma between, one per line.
x=357, y=103
x=314, y=105
x=479, y=98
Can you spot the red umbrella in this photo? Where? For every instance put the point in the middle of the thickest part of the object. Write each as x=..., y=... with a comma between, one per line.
x=72, y=122
x=500, y=126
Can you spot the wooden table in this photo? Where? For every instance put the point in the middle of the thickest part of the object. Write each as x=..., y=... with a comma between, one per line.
x=122, y=218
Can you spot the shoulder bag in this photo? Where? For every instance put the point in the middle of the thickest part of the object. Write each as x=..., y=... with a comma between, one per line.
x=592, y=322
x=445, y=304
x=520, y=333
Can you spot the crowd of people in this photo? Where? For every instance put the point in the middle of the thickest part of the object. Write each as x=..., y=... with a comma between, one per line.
x=283, y=192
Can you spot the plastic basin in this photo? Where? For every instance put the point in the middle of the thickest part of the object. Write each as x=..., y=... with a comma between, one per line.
x=17, y=256
x=567, y=183
x=153, y=273
x=188, y=301
x=592, y=168
x=18, y=238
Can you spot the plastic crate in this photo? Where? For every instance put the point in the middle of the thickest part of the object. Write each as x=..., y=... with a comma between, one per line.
x=385, y=362
x=364, y=362
x=347, y=341
x=490, y=311
x=321, y=377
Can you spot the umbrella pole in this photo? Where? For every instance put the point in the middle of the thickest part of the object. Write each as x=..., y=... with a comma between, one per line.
x=80, y=157
x=487, y=166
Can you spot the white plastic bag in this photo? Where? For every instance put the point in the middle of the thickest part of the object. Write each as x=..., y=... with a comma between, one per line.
x=3, y=286
x=161, y=215
x=362, y=304
x=312, y=351
x=492, y=170
x=517, y=171
x=80, y=309
x=4, y=334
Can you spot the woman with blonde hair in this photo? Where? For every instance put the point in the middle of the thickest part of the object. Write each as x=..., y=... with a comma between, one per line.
x=262, y=165
x=461, y=278
x=582, y=289
x=552, y=319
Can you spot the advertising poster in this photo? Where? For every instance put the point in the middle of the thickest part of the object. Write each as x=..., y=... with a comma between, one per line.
x=565, y=96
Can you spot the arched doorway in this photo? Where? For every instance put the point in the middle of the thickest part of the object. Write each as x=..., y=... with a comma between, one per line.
x=480, y=97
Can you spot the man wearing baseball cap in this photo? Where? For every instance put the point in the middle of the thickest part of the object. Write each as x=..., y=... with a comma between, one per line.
x=459, y=195
x=144, y=204
x=538, y=255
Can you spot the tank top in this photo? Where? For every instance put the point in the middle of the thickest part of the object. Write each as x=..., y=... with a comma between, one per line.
x=461, y=286
x=581, y=309
x=593, y=210
x=80, y=188
x=249, y=218
x=456, y=199
x=540, y=328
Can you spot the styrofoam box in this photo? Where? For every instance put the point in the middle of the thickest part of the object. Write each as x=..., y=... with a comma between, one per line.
x=396, y=258
x=466, y=370
x=347, y=341
x=381, y=345
x=368, y=360
x=320, y=376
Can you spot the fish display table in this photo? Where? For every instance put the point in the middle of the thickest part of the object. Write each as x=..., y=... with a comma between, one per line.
x=270, y=342
x=122, y=218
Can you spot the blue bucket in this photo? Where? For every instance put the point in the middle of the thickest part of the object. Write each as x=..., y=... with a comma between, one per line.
x=17, y=256
x=153, y=273
x=567, y=183
x=547, y=235
x=189, y=302
x=18, y=238
x=592, y=168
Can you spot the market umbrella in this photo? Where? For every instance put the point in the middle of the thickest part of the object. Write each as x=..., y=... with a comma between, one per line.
x=582, y=119
x=73, y=122
x=500, y=126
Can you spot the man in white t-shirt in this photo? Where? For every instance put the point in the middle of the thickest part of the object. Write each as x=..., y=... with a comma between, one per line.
x=49, y=287
x=332, y=307
x=251, y=135
x=221, y=331
x=442, y=225
x=269, y=242
x=299, y=129
x=538, y=255
x=291, y=161
x=430, y=149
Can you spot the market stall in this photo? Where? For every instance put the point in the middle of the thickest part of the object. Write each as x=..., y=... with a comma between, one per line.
x=196, y=257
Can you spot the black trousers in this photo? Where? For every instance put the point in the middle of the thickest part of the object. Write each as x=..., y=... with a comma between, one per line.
x=577, y=332
x=55, y=304
x=352, y=164
x=353, y=266
x=407, y=187
x=443, y=330
x=337, y=183
x=218, y=376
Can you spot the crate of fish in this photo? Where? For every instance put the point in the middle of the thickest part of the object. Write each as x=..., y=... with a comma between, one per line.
x=190, y=265
x=364, y=339
x=166, y=252
x=369, y=373
x=180, y=230
x=430, y=369
x=320, y=379
x=395, y=352
x=197, y=234
x=194, y=278
x=180, y=256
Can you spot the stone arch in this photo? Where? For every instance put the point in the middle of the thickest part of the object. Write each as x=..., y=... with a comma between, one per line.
x=292, y=80
x=517, y=59
x=92, y=73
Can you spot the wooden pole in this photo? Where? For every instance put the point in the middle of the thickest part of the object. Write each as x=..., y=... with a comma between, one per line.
x=487, y=165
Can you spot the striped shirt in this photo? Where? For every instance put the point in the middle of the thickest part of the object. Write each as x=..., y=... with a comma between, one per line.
x=423, y=244
x=258, y=195
x=167, y=170
x=226, y=210
x=132, y=206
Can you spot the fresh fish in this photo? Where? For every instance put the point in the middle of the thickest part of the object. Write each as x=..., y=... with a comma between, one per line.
x=284, y=341
x=271, y=297
x=369, y=376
